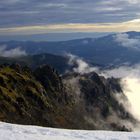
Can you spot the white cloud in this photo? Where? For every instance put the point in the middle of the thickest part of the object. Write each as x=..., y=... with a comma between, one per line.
x=16, y=52
x=123, y=71
x=53, y=5
x=131, y=88
x=9, y=2
x=133, y=25
x=81, y=66
x=133, y=1
x=130, y=82
x=126, y=41
x=109, y=9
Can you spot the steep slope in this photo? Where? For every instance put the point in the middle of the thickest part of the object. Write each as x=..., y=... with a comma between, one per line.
x=24, y=100
x=43, y=97
x=95, y=97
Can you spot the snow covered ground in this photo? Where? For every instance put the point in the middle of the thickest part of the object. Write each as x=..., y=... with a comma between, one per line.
x=21, y=132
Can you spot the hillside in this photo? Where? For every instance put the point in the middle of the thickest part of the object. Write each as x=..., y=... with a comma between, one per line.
x=60, y=63
x=43, y=97
x=24, y=99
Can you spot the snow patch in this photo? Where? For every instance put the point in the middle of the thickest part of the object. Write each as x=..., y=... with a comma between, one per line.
x=21, y=132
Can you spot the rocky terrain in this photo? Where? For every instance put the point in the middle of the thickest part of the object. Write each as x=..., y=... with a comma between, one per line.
x=78, y=101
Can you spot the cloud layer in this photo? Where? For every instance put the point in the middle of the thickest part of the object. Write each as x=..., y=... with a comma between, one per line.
x=19, y=13
x=16, y=52
x=125, y=41
x=133, y=25
x=129, y=80
x=80, y=65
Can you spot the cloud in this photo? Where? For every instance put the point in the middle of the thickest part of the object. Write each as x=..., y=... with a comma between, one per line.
x=9, y=2
x=16, y=52
x=125, y=41
x=133, y=1
x=14, y=13
x=133, y=25
x=80, y=65
x=131, y=89
x=129, y=79
x=123, y=71
x=109, y=8
x=53, y=5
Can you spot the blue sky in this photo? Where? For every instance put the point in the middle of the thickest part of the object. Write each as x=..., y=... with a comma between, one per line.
x=21, y=17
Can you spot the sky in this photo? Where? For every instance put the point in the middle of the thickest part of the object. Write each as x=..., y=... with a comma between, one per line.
x=30, y=17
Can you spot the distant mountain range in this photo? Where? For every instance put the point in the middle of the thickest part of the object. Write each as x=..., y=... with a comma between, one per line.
x=34, y=88
x=112, y=49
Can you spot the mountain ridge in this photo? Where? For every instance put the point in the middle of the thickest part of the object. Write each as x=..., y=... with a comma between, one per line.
x=43, y=97
x=103, y=50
